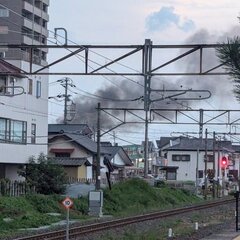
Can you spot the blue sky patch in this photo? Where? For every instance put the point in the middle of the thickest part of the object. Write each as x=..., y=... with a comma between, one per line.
x=163, y=19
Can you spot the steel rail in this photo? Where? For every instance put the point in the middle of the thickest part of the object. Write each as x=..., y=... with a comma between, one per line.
x=96, y=227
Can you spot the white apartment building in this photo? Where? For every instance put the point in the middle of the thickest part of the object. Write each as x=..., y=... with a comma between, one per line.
x=23, y=98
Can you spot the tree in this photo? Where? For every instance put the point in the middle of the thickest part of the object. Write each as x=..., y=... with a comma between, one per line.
x=44, y=175
x=229, y=56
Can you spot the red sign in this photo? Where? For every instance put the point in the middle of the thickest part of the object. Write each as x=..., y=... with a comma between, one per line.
x=67, y=202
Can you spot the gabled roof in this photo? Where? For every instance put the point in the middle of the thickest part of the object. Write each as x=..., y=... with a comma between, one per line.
x=113, y=150
x=81, y=140
x=164, y=141
x=81, y=129
x=192, y=144
x=106, y=144
x=65, y=161
x=10, y=69
x=91, y=146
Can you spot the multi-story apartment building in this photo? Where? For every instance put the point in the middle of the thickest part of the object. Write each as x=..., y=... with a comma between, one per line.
x=23, y=98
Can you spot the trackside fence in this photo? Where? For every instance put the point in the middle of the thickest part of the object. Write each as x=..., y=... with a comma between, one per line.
x=15, y=188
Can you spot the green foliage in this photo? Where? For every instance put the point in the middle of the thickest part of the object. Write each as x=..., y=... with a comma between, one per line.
x=44, y=204
x=229, y=56
x=81, y=205
x=47, y=177
x=136, y=196
x=30, y=211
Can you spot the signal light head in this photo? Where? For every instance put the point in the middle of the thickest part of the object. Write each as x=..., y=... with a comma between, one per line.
x=224, y=161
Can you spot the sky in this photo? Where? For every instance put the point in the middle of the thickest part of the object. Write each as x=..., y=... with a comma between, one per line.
x=131, y=22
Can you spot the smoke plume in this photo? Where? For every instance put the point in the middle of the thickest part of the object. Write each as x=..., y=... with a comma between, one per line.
x=130, y=95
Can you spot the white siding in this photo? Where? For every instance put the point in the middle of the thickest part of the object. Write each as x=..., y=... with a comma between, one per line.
x=187, y=169
x=27, y=108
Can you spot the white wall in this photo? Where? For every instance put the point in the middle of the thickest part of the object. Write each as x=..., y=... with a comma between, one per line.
x=187, y=169
x=27, y=108
x=117, y=160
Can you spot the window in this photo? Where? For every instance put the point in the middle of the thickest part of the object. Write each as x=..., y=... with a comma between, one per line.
x=62, y=154
x=177, y=157
x=13, y=130
x=3, y=84
x=3, y=129
x=4, y=12
x=44, y=7
x=11, y=85
x=185, y=157
x=38, y=90
x=33, y=133
x=30, y=86
x=171, y=174
x=200, y=173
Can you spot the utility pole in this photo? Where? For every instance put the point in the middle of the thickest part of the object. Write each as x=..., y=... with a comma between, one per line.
x=98, y=176
x=214, y=164
x=66, y=82
x=147, y=66
x=205, y=168
x=200, y=123
x=218, y=168
x=65, y=101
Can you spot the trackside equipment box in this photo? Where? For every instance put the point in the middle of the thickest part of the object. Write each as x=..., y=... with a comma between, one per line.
x=95, y=203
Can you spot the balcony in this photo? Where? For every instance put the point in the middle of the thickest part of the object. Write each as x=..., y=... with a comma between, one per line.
x=27, y=6
x=29, y=41
x=27, y=23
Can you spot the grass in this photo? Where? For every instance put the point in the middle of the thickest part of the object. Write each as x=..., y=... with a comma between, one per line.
x=31, y=212
x=127, y=198
x=136, y=196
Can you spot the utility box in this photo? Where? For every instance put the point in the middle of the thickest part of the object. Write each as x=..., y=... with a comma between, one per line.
x=95, y=203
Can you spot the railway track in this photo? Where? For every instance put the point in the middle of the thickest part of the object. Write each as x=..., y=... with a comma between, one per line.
x=96, y=227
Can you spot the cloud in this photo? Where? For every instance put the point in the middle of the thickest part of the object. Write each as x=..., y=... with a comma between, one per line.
x=165, y=18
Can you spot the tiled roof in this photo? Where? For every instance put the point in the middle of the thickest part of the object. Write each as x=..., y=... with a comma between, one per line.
x=81, y=129
x=65, y=161
x=189, y=144
x=10, y=69
x=83, y=141
x=164, y=141
x=106, y=144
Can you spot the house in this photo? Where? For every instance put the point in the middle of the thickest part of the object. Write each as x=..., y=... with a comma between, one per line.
x=77, y=152
x=81, y=129
x=186, y=158
x=119, y=159
x=23, y=118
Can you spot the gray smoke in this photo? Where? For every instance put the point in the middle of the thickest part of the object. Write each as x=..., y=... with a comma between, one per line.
x=126, y=95
x=130, y=95
x=220, y=86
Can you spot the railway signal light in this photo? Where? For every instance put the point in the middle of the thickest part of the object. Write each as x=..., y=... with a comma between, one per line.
x=224, y=162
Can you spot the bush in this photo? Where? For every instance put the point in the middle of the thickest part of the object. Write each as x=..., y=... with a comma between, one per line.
x=44, y=175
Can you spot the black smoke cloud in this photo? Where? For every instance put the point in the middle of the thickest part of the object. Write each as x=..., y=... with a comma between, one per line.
x=116, y=96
